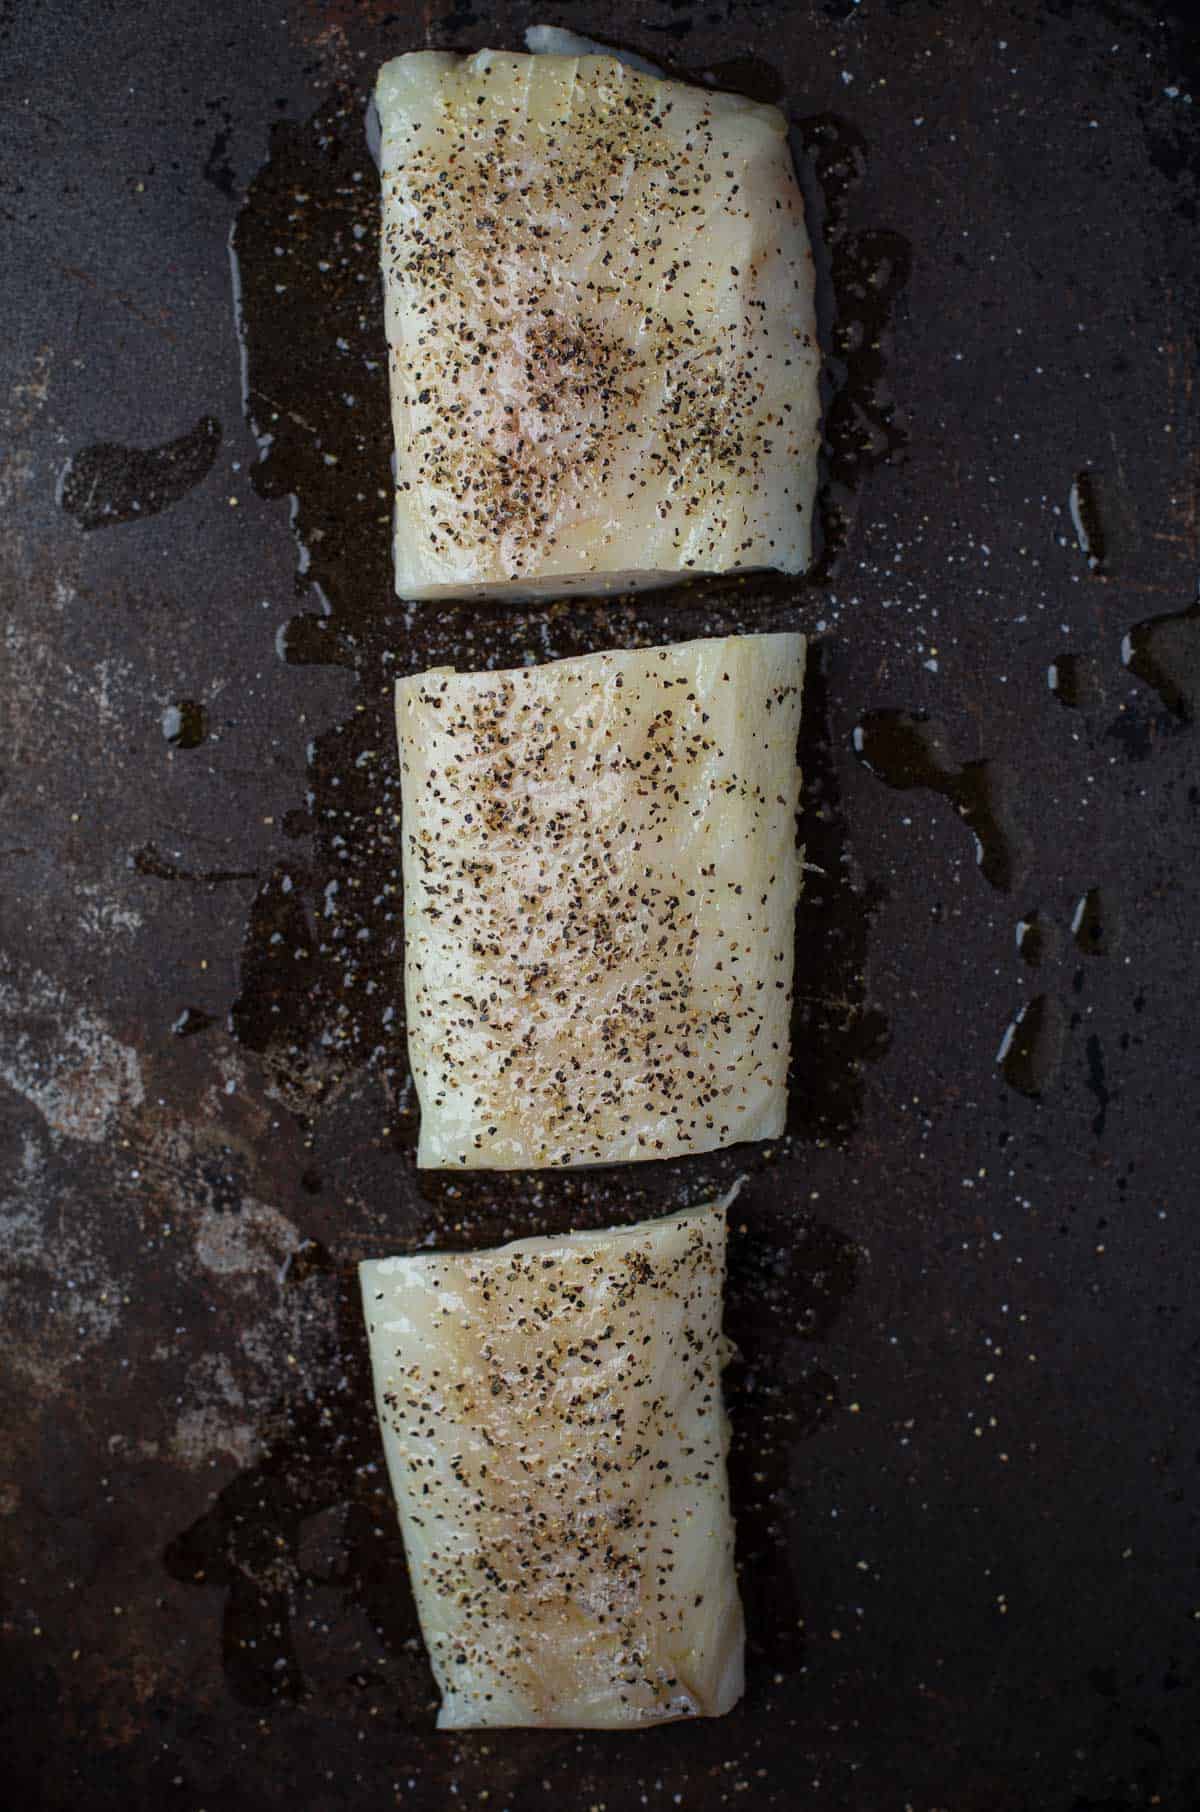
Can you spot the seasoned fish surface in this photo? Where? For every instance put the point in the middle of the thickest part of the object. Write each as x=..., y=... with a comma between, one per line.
x=552, y=1419
x=600, y=883
x=602, y=344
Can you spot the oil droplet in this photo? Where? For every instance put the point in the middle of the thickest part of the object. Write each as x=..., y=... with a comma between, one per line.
x=1085, y=519
x=783, y=1301
x=1031, y=1048
x=149, y=860
x=254, y=1541
x=1031, y=939
x=1064, y=678
x=1164, y=651
x=747, y=75
x=279, y=998
x=107, y=484
x=310, y=641
x=905, y=751
x=185, y=724
x=859, y=278
x=836, y=1028
x=1097, y=1084
x=1090, y=924
x=191, y=1021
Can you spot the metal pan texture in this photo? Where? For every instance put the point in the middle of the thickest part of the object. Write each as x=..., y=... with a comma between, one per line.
x=961, y=1285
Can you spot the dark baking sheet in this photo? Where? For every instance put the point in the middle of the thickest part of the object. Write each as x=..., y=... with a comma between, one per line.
x=966, y=1414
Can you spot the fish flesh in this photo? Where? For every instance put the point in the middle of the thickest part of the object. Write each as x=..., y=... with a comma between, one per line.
x=552, y=1419
x=556, y=41
x=602, y=342
x=603, y=353
x=601, y=872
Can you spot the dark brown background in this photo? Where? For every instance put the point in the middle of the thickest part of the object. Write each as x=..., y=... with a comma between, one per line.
x=967, y=1442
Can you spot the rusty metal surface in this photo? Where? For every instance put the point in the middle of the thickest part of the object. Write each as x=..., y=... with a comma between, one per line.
x=963, y=1285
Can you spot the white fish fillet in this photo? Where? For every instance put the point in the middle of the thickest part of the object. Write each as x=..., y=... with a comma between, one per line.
x=552, y=1419
x=600, y=883
x=602, y=342
x=556, y=41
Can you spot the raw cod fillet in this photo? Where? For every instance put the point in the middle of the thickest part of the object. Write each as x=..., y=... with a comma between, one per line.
x=552, y=1419
x=600, y=882
x=602, y=342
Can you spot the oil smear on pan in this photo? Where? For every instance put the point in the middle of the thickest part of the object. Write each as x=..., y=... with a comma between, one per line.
x=788, y=1287
x=1031, y=1049
x=320, y=945
x=149, y=860
x=1032, y=1046
x=1064, y=676
x=305, y=1548
x=1031, y=938
x=185, y=723
x=1092, y=924
x=905, y=750
x=1085, y=520
x=190, y=1021
x=836, y=1028
x=1164, y=651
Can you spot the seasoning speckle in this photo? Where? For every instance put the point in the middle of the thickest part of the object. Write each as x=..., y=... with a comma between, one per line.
x=552, y=1418
x=587, y=390
x=601, y=875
